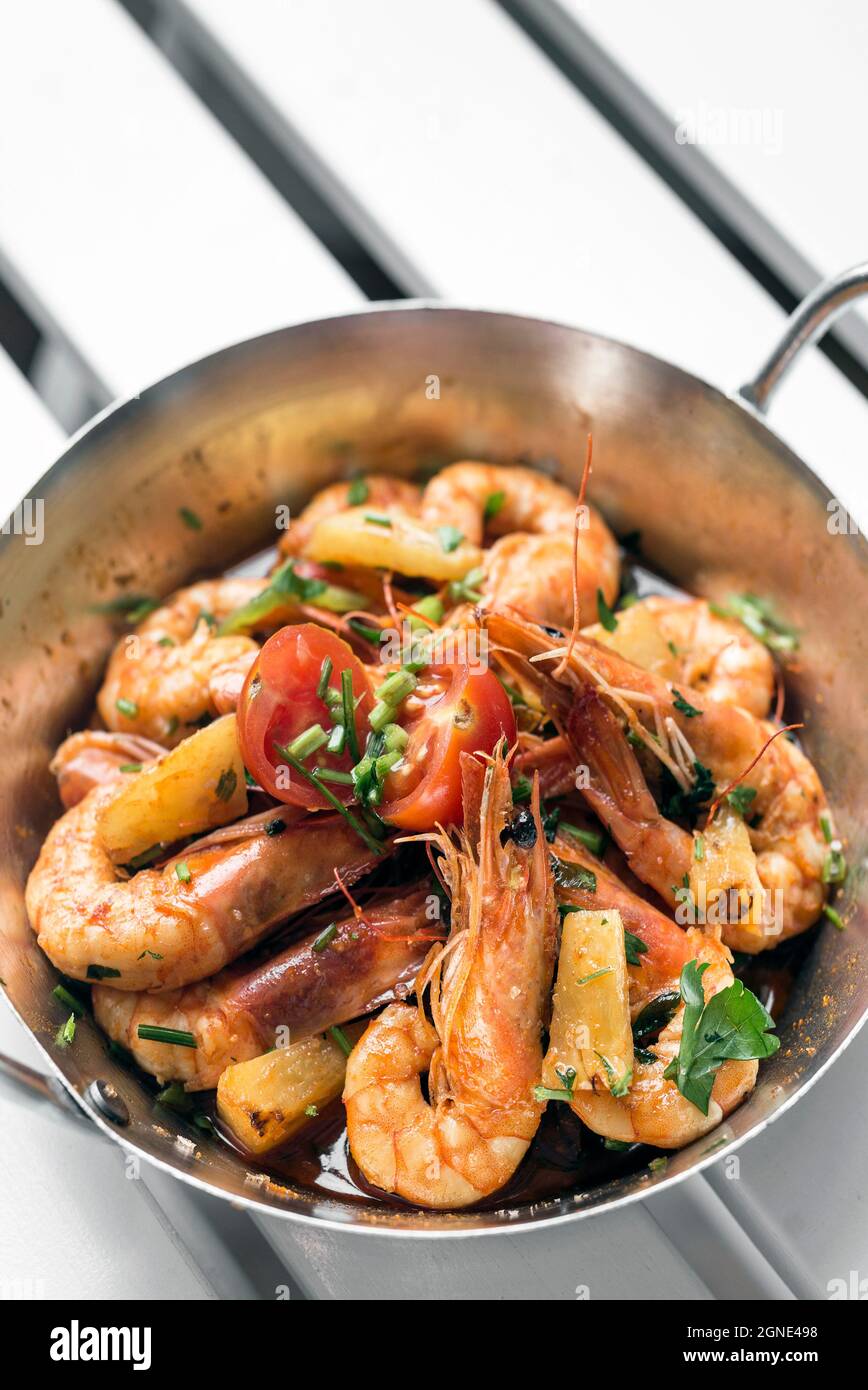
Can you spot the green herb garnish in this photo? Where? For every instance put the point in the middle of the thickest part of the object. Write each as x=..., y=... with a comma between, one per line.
x=341, y=1039
x=69, y=1000
x=732, y=1025
x=226, y=784
x=190, y=518
x=175, y=1037
x=594, y=840
x=358, y=492
x=565, y=1093
x=182, y=871
x=619, y=1086
x=740, y=798
x=595, y=975
x=66, y=1033
x=325, y=938
x=634, y=948
x=683, y=706
x=102, y=972
x=568, y=875
x=605, y=614
x=128, y=708
x=758, y=617
x=289, y=589
x=493, y=504
x=450, y=538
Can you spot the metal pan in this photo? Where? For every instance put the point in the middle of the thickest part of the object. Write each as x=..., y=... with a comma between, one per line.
x=722, y=504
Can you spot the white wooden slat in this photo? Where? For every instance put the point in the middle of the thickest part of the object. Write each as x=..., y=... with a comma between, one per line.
x=505, y=188
x=28, y=436
x=139, y=225
x=777, y=93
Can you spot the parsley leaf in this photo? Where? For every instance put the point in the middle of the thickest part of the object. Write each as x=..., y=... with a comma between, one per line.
x=676, y=804
x=568, y=875
x=740, y=798
x=605, y=614
x=683, y=706
x=733, y=1025
x=634, y=948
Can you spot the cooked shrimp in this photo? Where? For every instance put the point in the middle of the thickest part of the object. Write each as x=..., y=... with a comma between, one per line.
x=789, y=804
x=159, y=930
x=90, y=758
x=531, y=566
x=483, y=1052
x=716, y=656
x=368, y=961
x=376, y=490
x=654, y=1111
x=158, y=682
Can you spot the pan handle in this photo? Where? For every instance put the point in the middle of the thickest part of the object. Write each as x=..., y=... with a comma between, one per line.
x=808, y=322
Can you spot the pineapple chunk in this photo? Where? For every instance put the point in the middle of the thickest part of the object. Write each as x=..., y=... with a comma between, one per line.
x=352, y=538
x=724, y=884
x=638, y=638
x=266, y=1100
x=590, y=1030
x=197, y=787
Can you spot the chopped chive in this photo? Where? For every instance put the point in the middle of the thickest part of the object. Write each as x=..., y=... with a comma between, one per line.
x=176, y=1037
x=382, y=714
x=699, y=848
x=165, y=641
x=384, y=764
x=337, y=739
x=333, y=774
x=130, y=767
x=467, y=590
x=190, y=518
x=430, y=607
x=450, y=538
x=594, y=840
x=659, y=1165
x=341, y=1039
x=834, y=866
x=309, y=741
x=102, y=972
x=183, y=871
x=833, y=916
x=349, y=720
x=311, y=1112
x=605, y=614
x=325, y=938
x=325, y=673
x=595, y=975
x=826, y=826
x=396, y=687
x=378, y=519
x=357, y=492
x=396, y=738
x=69, y=1001
x=66, y=1033
x=330, y=797
x=493, y=504
x=142, y=860
x=128, y=708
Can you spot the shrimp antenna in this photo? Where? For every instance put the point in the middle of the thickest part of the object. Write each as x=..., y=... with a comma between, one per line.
x=580, y=503
x=741, y=776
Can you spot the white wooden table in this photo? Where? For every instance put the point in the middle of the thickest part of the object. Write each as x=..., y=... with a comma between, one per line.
x=178, y=174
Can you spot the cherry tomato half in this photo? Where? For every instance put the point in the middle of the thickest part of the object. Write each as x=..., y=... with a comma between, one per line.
x=280, y=701
x=454, y=709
